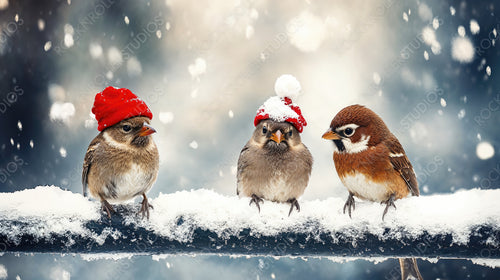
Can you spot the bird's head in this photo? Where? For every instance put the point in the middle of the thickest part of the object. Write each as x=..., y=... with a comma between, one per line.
x=135, y=131
x=276, y=136
x=356, y=128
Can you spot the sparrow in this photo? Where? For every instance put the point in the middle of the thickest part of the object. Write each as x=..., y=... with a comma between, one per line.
x=372, y=164
x=121, y=163
x=369, y=159
x=274, y=165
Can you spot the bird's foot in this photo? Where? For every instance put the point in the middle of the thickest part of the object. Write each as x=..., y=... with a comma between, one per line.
x=106, y=207
x=293, y=202
x=350, y=203
x=255, y=199
x=144, y=211
x=389, y=203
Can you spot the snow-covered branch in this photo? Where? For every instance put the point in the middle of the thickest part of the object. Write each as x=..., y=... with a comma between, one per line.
x=465, y=224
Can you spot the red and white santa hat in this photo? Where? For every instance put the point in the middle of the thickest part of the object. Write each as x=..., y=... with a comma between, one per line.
x=281, y=108
x=113, y=105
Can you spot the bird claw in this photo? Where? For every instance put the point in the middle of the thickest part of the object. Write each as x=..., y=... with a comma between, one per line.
x=106, y=207
x=144, y=211
x=389, y=203
x=293, y=202
x=350, y=203
x=255, y=199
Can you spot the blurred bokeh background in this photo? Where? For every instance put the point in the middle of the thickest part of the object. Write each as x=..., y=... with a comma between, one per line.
x=428, y=68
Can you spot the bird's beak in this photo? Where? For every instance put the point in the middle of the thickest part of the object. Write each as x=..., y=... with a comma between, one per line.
x=277, y=136
x=330, y=135
x=146, y=130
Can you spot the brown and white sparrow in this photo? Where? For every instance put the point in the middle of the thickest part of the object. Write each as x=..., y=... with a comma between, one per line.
x=372, y=164
x=369, y=159
x=121, y=162
x=274, y=164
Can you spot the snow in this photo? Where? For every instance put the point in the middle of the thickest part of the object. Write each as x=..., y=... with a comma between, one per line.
x=493, y=263
x=474, y=27
x=461, y=31
x=95, y=50
x=59, y=273
x=426, y=55
x=484, y=150
x=106, y=256
x=198, y=67
x=230, y=114
x=50, y=210
x=424, y=12
x=115, y=56
x=47, y=46
x=277, y=110
x=488, y=70
x=56, y=93
x=4, y=4
x=429, y=36
x=19, y=125
x=227, y=215
x=3, y=272
x=126, y=20
x=287, y=86
x=462, y=49
x=307, y=32
x=452, y=11
x=193, y=145
x=41, y=24
x=405, y=16
x=63, y=152
x=32, y=144
x=68, y=40
x=461, y=114
x=166, y=117
x=442, y=101
x=376, y=78
x=435, y=23
x=62, y=112
x=109, y=75
x=68, y=35
x=134, y=67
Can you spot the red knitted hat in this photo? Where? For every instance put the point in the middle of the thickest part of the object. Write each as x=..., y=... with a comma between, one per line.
x=280, y=108
x=113, y=105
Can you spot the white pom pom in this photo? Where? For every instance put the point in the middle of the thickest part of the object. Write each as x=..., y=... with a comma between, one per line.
x=287, y=86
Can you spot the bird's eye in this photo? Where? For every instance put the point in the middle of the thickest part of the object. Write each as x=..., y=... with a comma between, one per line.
x=126, y=128
x=348, y=132
x=290, y=133
x=264, y=130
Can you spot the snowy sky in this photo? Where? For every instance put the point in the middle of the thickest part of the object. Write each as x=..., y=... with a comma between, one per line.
x=204, y=71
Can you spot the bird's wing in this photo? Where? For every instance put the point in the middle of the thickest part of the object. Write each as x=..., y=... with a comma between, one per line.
x=401, y=163
x=87, y=164
x=242, y=164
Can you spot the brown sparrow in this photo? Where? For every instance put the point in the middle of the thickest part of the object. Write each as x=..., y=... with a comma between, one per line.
x=369, y=159
x=372, y=164
x=275, y=165
x=122, y=162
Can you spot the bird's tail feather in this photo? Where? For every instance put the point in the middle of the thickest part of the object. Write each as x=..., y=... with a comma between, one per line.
x=409, y=269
